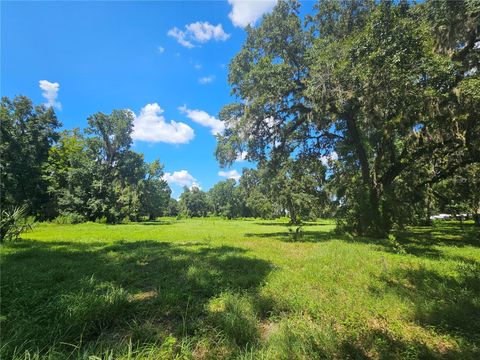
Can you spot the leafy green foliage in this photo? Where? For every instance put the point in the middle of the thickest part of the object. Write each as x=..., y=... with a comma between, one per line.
x=13, y=222
x=75, y=176
x=27, y=133
x=226, y=199
x=156, y=193
x=194, y=202
x=370, y=82
x=461, y=193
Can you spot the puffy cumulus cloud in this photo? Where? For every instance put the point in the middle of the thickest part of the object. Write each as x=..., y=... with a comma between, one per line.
x=198, y=33
x=203, y=118
x=231, y=174
x=151, y=126
x=204, y=31
x=206, y=79
x=247, y=12
x=327, y=159
x=181, y=178
x=161, y=49
x=181, y=37
x=50, y=93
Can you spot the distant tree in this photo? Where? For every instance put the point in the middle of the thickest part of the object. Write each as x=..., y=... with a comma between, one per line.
x=69, y=174
x=118, y=171
x=256, y=194
x=293, y=188
x=27, y=133
x=226, y=199
x=460, y=194
x=156, y=192
x=298, y=188
x=173, y=208
x=124, y=186
x=194, y=202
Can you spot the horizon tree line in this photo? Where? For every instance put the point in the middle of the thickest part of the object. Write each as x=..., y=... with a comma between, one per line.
x=391, y=88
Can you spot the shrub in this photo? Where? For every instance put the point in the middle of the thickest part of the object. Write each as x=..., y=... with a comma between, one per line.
x=101, y=220
x=14, y=221
x=71, y=218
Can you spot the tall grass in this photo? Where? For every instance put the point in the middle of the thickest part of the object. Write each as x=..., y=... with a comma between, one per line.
x=213, y=289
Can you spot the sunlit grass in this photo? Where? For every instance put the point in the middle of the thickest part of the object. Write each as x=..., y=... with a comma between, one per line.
x=212, y=288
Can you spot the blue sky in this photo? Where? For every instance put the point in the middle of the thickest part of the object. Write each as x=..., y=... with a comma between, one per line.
x=166, y=61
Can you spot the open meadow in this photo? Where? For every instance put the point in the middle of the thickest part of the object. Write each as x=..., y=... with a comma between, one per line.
x=275, y=179
x=249, y=289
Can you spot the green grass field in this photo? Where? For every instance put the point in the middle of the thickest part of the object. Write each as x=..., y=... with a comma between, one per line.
x=211, y=288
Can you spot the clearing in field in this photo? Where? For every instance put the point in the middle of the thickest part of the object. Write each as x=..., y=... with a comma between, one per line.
x=211, y=288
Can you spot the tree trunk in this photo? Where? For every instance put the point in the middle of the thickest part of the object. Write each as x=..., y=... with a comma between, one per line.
x=372, y=222
x=476, y=218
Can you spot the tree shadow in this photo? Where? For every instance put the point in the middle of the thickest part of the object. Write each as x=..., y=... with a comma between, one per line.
x=449, y=304
x=382, y=344
x=303, y=236
x=155, y=222
x=286, y=224
x=443, y=234
x=427, y=241
x=56, y=293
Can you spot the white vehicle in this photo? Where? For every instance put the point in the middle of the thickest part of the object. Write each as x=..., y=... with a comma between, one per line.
x=441, y=217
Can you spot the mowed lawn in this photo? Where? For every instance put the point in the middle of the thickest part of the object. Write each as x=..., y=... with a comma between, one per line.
x=213, y=289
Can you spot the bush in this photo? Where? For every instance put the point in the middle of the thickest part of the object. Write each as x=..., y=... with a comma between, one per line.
x=101, y=220
x=72, y=218
x=14, y=221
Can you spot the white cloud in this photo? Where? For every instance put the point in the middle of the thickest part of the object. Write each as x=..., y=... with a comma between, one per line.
x=206, y=79
x=197, y=66
x=198, y=33
x=203, y=118
x=327, y=159
x=181, y=37
x=181, y=178
x=231, y=174
x=151, y=126
x=161, y=49
x=204, y=31
x=50, y=93
x=241, y=157
x=247, y=12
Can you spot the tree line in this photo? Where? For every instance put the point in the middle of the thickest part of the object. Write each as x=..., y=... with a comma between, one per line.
x=76, y=175
x=93, y=175
x=291, y=192
x=365, y=111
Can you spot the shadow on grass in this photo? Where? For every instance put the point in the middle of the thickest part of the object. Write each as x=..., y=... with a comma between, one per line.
x=155, y=222
x=304, y=236
x=418, y=241
x=448, y=304
x=382, y=344
x=441, y=234
x=56, y=293
x=425, y=241
x=273, y=223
